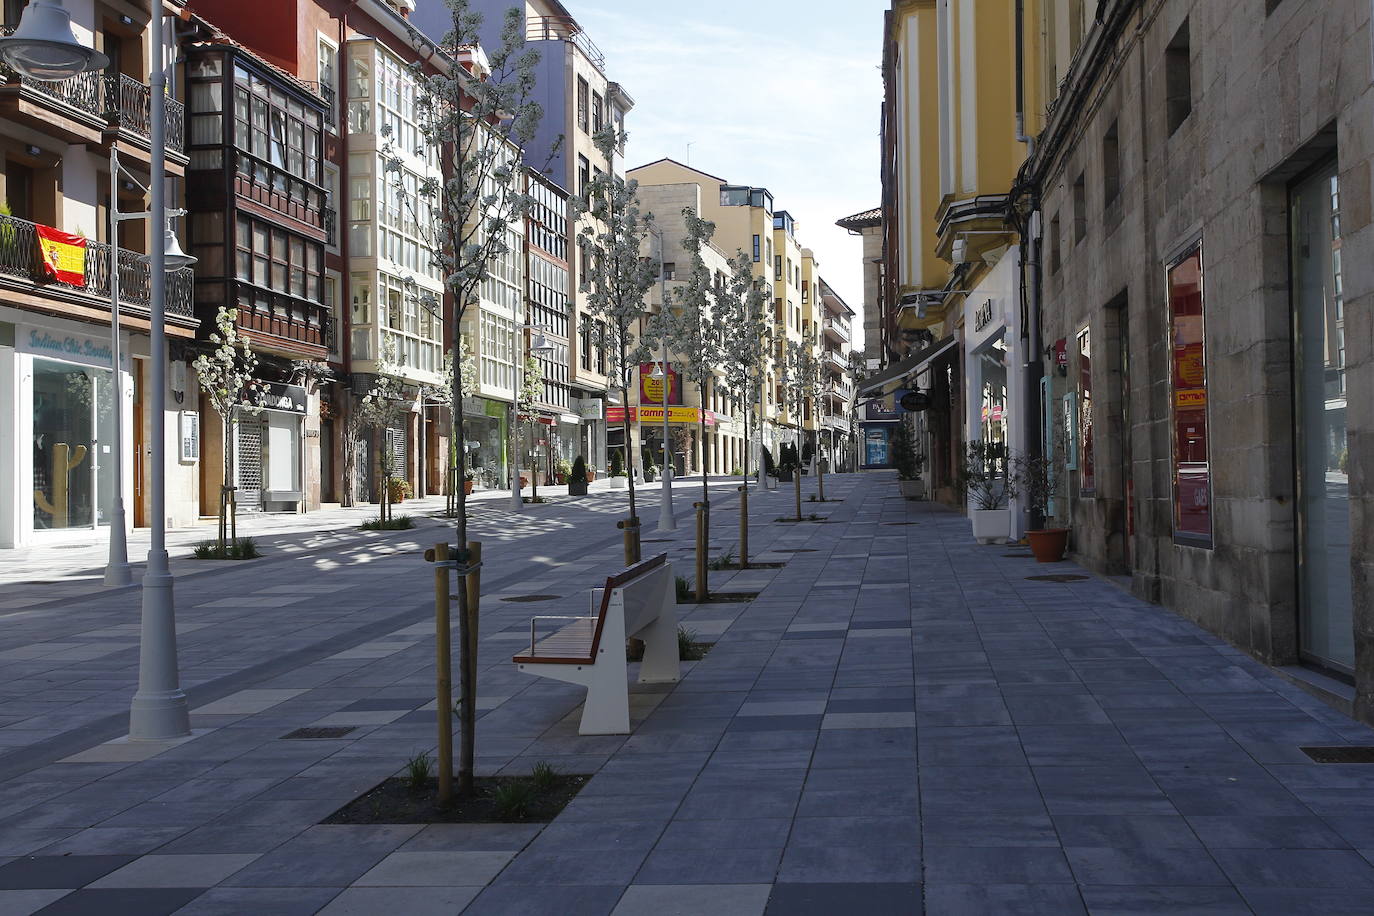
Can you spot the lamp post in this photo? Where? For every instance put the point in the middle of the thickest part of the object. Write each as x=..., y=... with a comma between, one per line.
x=44, y=47
x=540, y=345
x=666, y=522
x=118, y=573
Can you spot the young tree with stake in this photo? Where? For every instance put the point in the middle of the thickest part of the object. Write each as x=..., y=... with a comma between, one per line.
x=689, y=326
x=480, y=124
x=618, y=280
x=742, y=310
x=802, y=390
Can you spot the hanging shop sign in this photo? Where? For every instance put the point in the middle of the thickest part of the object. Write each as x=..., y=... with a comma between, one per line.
x=651, y=389
x=983, y=316
x=1061, y=356
x=589, y=408
x=882, y=409
x=913, y=401
x=63, y=255
x=276, y=396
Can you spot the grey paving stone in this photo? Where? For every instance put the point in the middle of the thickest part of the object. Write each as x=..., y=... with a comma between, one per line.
x=446, y=868
x=1330, y=868
x=1263, y=832
x=259, y=901
x=546, y=900
x=24, y=902
x=1168, y=831
x=710, y=866
x=328, y=856
x=572, y=867
x=475, y=837
x=995, y=865
x=1140, y=865
x=952, y=829
x=853, y=864
x=177, y=870
x=1306, y=901
x=815, y=899
x=685, y=836
x=694, y=900
x=1003, y=900
x=880, y=831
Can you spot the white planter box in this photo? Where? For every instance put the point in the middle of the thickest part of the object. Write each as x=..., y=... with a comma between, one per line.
x=620, y=483
x=990, y=525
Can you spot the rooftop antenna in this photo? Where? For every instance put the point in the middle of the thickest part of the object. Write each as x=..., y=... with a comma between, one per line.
x=689, y=151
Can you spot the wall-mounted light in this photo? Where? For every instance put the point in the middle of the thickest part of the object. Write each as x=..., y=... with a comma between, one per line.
x=33, y=150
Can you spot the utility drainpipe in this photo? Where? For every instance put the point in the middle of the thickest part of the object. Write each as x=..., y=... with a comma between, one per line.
x=1031, y=246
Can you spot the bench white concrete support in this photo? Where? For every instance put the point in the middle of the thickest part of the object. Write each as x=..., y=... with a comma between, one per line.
x=590, y=652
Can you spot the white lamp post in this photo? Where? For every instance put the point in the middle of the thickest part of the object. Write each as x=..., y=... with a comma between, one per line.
x=117, y=570
x=44, y=47
x=539, y=345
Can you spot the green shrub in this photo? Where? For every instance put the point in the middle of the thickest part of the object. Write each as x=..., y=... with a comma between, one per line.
x=579, y=471
x=617, y=463
x=724, y=561
x=687, y=648
x=684, y=589
x=241, y=549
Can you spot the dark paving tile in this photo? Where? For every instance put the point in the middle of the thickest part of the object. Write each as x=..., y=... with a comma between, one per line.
x=1000, y=790
x=160, y=901
x=1259, y=832
x=1307, y=901
x=875, y=705
x=855, y=831
x=1169, y=831
x=1055, y=710
x=388, y=703
x=58, y=871
x=327, y=856
x=571, y=867
x=991, y=746
x=1164, y=901
x=1101, y=790
x=1331, y=868
x=995, y=865
x=1003, y=900
x=774, y=723
x=829, y=899
x=1163, y=867
x=710, y=866
x=944, y=829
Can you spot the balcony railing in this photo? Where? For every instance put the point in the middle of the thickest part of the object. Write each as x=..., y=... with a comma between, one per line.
x=128, y=106
x=562, y=28
x=20, y=260
x=839, y=328
x=283, y=315
x=331, y=218
x=121, y=101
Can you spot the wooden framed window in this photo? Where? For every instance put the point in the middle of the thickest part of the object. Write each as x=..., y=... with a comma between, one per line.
x=1192, y=471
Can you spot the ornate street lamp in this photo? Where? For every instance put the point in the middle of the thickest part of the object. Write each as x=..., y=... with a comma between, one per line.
x=44, y=47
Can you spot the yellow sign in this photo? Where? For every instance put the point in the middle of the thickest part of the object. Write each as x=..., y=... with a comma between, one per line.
x=1190, y=398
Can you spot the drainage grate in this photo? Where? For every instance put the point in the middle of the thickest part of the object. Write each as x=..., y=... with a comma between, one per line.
x=528, y=598
x=901, y=523
x=657, y=541
x=1019, y=556
x=322, y=731
x=71, y=546
x=793, y=550
x=1346, y=753
x=1057, y=577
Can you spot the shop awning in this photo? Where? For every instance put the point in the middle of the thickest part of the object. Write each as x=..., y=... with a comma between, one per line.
x=895, y=376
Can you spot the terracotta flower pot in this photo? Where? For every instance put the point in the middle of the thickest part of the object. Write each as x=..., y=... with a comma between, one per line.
x=1048, y=545
x=467, y=487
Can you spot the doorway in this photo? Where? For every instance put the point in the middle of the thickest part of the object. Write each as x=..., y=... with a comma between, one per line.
x=1325, y=598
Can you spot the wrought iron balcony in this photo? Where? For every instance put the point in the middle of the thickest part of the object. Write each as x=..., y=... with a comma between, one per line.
x=21, y=268
x=564, y=28
x=128, y=106
x=84, y=92
x=331, y=218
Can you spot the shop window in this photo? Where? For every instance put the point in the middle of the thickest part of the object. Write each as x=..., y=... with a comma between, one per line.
x=1087, y=476
x=1178, y=79
x=73, y=432
x=1188, y=360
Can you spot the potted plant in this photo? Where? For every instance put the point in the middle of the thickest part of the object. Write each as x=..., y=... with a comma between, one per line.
x=577, y=478
x=1038, y=479
x=807, y=453
x=983, y=483
x=787, y=463
x=650, y=472
x=618, y=479
x=907, y=462
x=562, y=471
x=468, y=482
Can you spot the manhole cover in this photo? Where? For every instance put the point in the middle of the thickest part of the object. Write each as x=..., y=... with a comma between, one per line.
x=1019, y=556
x=323, y=731
x=1057, y=577
x=527, y=598
x=1347, y=753
x=794, y=550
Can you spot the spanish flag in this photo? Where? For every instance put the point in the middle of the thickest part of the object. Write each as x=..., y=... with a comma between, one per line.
x=63, y=254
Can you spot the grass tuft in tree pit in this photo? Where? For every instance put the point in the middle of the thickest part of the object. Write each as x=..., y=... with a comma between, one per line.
x=688, y=649
x=514, y=800
x=544, y=776
x=684, y=590
x=724, y=561
x=399, y=523
x=241, y=549
x=418, y=770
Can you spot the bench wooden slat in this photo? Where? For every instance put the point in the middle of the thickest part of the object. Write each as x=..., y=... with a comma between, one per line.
x=573, y=643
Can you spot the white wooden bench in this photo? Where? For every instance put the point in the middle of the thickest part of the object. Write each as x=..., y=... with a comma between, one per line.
x=590, y=651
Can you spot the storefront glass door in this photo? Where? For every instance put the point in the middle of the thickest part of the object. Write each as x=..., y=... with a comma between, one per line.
x=73, y=444
x=1326, y=631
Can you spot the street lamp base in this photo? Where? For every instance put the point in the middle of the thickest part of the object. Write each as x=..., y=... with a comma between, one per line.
x=158, y=711
x=118, y=575
x=160, y=716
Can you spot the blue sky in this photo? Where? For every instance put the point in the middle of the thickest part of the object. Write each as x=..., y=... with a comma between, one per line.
x=771, y=93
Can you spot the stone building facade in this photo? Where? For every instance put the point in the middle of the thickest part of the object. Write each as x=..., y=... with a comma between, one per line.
x=1204, y=198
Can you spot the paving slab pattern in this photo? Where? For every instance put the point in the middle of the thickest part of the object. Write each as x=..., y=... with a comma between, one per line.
x=901, y=722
